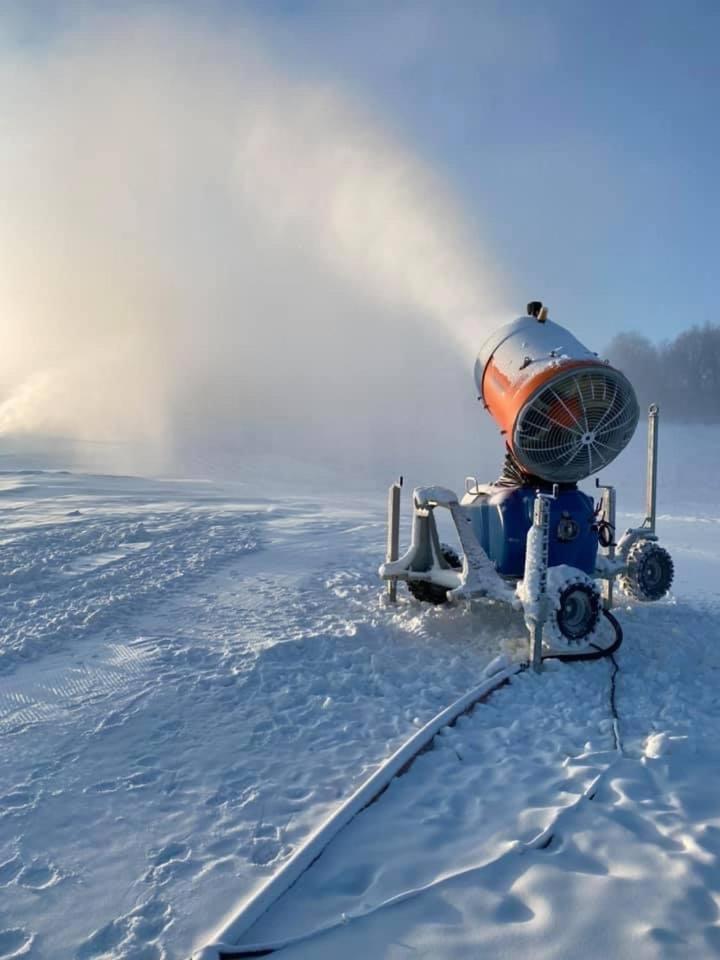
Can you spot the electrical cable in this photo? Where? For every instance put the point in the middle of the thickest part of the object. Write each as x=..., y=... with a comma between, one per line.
x=225, y=952
x=613, y=705
x=598, y=652
x=606, y=533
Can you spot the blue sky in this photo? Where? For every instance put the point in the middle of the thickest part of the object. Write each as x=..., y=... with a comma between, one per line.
x=581, y=137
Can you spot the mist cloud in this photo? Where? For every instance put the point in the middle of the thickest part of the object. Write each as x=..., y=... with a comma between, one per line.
x=204, y=258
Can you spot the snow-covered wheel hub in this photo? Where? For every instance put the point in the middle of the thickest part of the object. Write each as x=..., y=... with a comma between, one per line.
x=579, y=611
x=451, y=556
x=575, y=608
x=428, y=592
x=649, y=573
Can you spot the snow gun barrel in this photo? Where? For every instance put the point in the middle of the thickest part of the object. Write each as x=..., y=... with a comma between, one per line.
x=564, y=413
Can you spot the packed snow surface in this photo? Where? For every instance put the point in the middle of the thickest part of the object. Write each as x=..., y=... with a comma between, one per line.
x=189, y=680
x=192, y=676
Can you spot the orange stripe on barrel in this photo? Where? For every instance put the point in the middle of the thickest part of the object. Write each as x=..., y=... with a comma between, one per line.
x=504, y=398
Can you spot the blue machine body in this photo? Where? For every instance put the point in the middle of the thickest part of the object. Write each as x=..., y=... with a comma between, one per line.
x=502, y=518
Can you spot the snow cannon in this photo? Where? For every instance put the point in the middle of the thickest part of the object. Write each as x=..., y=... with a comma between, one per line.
x=564, y=413
x=532, y=539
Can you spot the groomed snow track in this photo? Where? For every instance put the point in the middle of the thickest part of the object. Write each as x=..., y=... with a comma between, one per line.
x=225, y=946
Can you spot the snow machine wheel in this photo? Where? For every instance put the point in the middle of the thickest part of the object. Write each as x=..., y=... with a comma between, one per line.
x=428, y=592
x=579, y=611
x=649, y=573
x=451, y=556
x=575, y=610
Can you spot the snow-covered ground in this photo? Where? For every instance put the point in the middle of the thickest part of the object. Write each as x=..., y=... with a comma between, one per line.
x=189, y=680
x=192, y=675
x=524, y=833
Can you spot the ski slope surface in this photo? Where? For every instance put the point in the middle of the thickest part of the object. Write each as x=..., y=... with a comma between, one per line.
x=188, y=681
x=192, y=676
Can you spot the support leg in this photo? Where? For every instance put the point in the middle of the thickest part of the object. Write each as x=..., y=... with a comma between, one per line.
x=535, y=578
x=651, y=487
x=393, y=534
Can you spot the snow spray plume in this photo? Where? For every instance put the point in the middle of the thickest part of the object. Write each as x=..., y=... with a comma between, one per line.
x=204, y=258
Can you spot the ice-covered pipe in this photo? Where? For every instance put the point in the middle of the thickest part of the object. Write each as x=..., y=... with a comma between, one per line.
x=564, y=413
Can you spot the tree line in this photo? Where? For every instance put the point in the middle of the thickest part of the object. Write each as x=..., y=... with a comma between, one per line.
x=682, y=375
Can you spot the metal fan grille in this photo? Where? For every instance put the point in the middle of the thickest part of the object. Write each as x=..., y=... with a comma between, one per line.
x=576, y=424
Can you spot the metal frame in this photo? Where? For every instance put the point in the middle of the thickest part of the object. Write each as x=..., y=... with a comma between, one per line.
x=424, y=561
x=646, y=530
x=608, y=504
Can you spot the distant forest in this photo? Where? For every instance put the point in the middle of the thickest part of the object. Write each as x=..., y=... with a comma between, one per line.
x=683, y=376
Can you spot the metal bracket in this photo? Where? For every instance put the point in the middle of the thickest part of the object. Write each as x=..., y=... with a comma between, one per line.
x=423, y=560
x=535, y=575
x=609, y=509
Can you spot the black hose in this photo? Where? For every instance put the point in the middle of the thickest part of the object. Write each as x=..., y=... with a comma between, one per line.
x=609, y=653
x=606, y=533
x=613, y=704
x=598, y=652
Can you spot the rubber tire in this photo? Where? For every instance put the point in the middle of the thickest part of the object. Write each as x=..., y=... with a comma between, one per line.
x=451, y=556
x=598, y=652
x=650, y=572
x=428, y=592
x=594, y=608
